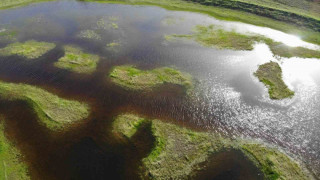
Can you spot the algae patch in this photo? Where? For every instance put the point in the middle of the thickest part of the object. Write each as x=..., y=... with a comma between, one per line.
x=53, y=111
x=11, y=164
x=89, y=34
x=136, y=79
x=270, y=74
x=78, y=61
x=29, y=49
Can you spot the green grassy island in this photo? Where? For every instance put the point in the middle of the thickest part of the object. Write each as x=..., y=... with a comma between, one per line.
x=78, y=61
x=54, y=112
x=179, y=152
x=11, y=166
x=132, y=78
x=29, y=49
x=270, y=74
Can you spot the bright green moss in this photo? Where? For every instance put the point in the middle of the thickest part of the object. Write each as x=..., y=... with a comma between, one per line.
x=29, y=49
x=78, y=61
x=11, y=164
x=271, y=75
x=135, y=79
x=53, y=111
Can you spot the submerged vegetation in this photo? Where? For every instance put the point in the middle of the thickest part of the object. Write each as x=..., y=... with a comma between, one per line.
x=53, y=111
x=178, y=153
x=135, y=79
x=89, y=34
x=77, y=61
x=29, y=49
x=270, y=74
x=212, y=36
x=11, y=166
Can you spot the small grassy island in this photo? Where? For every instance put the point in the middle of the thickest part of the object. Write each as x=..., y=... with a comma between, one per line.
x=29, y=49
x=132, y=78
x=270, y=74
x=11, y=166
x=179, y=152
x=78, y=61
x=212, y=36
x=53, y=111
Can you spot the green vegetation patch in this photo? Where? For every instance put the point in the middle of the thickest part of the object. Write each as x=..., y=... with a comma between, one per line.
x=108, y=22
x=5, y=4
x=113, y=46
x=11, y=165
x=178, y=152
x=273, y=163
x=52, y=110
x=127, y=125
x=78, y=61
x=270, y=74
x=136, y=79
x=7, y=35
x=29, y=49
x=89, y=34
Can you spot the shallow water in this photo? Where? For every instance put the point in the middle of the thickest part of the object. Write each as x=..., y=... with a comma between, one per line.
x=228, y=99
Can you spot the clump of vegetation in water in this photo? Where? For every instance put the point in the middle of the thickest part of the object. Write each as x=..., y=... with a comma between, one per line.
x=11, y=166
x=179, y=152
x=135, y=79
x=107, y=23
x=5, y=4
x=113, y=46
x=7, y=35
x=29, y=49
x=274, y=164
x=89, y=34
x=78, y=61
x=271, y=75
x=126, y=125
x=53, y=111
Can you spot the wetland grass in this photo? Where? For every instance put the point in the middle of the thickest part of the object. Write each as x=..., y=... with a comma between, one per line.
x=11, y=164
x=270, y=74
x=77, y=61
x=135, y=79
x=54, y=112
x=29, y=49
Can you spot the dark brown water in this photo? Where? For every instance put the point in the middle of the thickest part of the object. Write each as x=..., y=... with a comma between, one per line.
x=228, y=99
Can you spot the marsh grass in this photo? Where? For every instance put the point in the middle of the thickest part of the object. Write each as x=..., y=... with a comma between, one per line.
x=132, y=78
x=225, y=14
x=11, y=164
x=53, y=111
x=273, y=163
x=178, y=152
x=29, y=49
x=6, y=4
x=78, y=61
x=270, y=74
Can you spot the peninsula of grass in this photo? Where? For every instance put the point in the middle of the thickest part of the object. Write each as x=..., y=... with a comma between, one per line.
x=135, y=79
x=6, y=4
x=307, y=34
x=270, y=74
x=178, y=152
x=29, y=49
x=54, y=112
x=211, y=36
x=77, y=61
x=11, y=164
x=273, y=163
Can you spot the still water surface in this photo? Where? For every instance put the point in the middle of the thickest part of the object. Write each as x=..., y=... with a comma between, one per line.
x=228, y=98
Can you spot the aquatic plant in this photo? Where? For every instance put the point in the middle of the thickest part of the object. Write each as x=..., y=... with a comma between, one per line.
x=7, y=35
x=29, y=49
x=89, y=34
x=270, y=74
x=113, y=46
x=78, y=61
x=132, y=78
x=54, y=112
x=11, y=166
